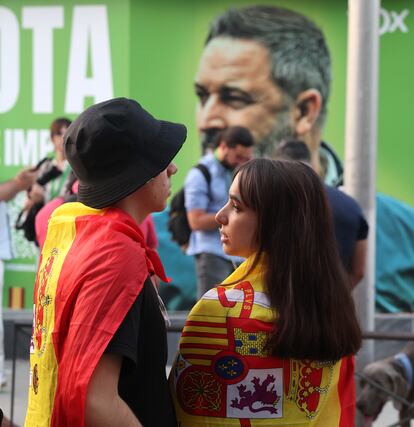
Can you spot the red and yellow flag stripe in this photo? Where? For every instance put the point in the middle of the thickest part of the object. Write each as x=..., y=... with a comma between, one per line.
x=92, y=268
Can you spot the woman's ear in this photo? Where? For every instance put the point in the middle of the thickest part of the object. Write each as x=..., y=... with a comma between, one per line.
x=307, y=110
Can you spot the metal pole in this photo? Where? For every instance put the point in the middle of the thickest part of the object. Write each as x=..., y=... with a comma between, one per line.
x=361, y=142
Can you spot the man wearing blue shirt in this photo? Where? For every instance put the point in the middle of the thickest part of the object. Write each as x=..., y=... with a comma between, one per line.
x=203, y=200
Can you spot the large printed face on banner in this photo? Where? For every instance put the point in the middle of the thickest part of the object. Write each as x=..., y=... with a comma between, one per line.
x=234, y=88
x=57, y=58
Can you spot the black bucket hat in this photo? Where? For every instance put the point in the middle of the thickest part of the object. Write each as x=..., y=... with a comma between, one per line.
x=115, y=147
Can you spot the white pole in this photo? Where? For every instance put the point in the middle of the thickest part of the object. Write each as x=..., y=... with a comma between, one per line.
x=361, y=143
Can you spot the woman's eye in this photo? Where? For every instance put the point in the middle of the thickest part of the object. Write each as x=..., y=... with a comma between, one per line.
x=235, y=208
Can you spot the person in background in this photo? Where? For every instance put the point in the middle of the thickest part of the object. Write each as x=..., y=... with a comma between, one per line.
x=53, y=173
x=350, y=225
x=203, y=199
x=22, y=181
x=274, y=343
x=8, y=190
x=99, y=348
x=266, y=69
x=42, y=217
x=51, y=182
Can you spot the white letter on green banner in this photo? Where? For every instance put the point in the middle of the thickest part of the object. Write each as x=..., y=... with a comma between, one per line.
x=42, y=20
x=9, y=59
x=89, y=38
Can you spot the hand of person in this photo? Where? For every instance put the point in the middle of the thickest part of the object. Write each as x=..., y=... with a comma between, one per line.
x=37, y=193
x=25, y=179
x=28, y=204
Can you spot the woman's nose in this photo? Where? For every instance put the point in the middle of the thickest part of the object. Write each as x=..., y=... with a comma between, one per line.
x=221, y=217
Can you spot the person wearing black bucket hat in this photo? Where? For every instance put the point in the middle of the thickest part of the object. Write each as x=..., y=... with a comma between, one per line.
x=115, y=147
x=101, y=361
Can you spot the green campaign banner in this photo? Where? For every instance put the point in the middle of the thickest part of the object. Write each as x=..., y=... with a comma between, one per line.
x=57, y=58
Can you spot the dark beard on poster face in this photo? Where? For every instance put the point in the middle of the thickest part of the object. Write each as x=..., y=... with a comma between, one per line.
x=281, y=131
x=265, y=147
x=208, y=139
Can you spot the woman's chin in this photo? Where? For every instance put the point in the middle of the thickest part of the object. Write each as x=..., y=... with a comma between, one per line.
x=229, y=251
x=241, y=254
x=226, y=249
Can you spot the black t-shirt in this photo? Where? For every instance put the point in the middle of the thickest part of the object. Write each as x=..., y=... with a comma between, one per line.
x=349, y=221
x=141, y=340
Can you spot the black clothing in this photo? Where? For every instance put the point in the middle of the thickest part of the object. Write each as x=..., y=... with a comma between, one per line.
x=141, y=340
x=337, y=164
x=349, y=222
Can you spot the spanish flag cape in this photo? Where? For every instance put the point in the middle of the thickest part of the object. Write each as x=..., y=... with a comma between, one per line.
x=223, y=376
x=92, y=267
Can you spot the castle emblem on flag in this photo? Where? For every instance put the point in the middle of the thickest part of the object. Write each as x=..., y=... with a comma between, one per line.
x=250, y=343
x=43, y=301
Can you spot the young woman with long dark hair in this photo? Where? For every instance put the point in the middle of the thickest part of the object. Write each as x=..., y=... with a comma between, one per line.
x=273, y=344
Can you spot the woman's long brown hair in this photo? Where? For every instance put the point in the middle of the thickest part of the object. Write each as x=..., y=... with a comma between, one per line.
x=308, y=290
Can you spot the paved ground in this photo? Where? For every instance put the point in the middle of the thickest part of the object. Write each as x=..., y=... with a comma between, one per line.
x=387, y=417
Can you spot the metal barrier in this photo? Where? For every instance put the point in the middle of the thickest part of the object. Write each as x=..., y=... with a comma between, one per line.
x=373, y=335
x=22, y=326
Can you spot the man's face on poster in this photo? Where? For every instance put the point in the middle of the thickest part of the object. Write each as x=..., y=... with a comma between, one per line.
x=235, y=88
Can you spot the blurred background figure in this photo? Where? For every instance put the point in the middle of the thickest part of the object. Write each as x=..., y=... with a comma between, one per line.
x=203, y=199
x=54, y=182
x=42, y=216
x=22, y=181
x=53, y=173
x=8, y=189
x=351, y=228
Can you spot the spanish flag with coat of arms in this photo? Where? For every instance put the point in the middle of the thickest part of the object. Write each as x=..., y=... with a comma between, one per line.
x=223, y=374
x=92, y=268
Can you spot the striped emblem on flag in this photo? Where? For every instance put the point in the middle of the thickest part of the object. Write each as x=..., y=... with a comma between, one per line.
x=202, y=340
